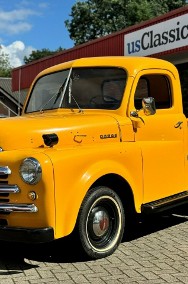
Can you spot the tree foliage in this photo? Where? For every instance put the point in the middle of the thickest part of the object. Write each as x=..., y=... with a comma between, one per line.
x=91, y=19
x=5, y=67
x=38, y=54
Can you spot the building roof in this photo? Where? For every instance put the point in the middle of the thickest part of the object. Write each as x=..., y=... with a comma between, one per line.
x=112, y=45
x=6, y=88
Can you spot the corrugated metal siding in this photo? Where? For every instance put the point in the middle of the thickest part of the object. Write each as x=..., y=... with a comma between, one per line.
x=105, y=46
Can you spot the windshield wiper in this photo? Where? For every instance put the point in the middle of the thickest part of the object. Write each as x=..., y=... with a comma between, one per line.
x=60, y=92
x=71, y=96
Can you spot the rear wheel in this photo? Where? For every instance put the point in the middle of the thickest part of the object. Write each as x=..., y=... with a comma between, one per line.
x=101, y=222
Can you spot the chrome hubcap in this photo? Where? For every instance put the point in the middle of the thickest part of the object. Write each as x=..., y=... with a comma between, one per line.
x=100, y=223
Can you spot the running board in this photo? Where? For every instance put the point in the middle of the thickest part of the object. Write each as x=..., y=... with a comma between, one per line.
x=165, y=203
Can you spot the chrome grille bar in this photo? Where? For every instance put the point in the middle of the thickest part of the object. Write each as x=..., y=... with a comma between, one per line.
x=5, y=171
x=9, y=188
x=8, y=208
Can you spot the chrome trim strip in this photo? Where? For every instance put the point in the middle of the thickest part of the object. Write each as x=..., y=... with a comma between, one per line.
x=10, y=207
x=5, y=171
x=9, y=188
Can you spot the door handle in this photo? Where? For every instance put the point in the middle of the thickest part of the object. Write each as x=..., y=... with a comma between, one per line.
x=178, y=124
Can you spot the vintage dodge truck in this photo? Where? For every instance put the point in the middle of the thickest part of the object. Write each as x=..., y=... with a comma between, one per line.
x=99, y=140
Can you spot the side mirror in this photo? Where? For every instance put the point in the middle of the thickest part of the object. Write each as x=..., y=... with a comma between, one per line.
x=148, y=105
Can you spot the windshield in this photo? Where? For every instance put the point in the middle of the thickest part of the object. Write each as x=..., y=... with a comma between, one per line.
x=81, y=88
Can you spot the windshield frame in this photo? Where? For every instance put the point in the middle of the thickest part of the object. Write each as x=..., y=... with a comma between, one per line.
x=67, y=94
x=41, y=107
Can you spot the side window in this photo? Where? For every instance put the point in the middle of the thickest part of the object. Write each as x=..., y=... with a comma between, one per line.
x=183, y=73
x=156, y=86
x=142, y=91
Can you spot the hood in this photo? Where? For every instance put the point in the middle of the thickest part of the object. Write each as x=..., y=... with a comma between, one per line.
x=71, y=129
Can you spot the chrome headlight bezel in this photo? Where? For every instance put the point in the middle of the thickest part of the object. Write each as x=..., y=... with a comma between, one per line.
x=30, y=171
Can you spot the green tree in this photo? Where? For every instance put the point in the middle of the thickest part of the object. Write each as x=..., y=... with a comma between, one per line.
x=38, y=54
x=5, y=67
x=91, y=19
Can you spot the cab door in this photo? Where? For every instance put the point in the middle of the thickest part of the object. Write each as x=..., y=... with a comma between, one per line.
x=160, y=136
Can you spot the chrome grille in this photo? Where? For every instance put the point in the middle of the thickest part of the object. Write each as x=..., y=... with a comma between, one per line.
x=5, y=190
x=9, y=188
x=4, y=171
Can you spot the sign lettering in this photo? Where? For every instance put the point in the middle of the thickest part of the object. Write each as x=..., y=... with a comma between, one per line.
x=157, y=38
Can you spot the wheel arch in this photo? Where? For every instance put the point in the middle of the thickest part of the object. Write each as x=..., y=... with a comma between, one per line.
x=118, y=184
x=107, y=173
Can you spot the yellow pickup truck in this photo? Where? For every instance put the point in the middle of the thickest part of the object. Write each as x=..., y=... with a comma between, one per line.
x=99, y=140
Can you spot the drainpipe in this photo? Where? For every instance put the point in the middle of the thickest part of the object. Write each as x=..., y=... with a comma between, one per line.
x=19, y=104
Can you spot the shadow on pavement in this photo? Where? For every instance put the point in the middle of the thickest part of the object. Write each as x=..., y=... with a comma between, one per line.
x=66, y=250
x=13, y=255
x=12, y=261
x=157, y=222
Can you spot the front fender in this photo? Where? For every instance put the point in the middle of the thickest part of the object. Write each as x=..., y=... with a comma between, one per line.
x=76, y=169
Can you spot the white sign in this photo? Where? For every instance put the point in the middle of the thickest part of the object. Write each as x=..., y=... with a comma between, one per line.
x=157, y=38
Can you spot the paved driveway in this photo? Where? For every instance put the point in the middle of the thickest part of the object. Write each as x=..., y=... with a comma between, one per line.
x=157, y=253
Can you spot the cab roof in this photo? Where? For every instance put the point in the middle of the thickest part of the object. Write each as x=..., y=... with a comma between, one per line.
x=131, y=64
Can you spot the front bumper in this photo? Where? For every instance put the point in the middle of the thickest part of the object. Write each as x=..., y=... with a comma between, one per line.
x=26, y=235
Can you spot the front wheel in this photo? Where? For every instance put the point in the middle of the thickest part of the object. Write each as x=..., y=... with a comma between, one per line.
x=101, y=222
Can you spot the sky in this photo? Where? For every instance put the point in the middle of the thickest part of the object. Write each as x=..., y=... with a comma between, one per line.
x=27, y=25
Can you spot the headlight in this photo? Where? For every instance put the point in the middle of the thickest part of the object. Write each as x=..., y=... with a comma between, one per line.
x=30, y=171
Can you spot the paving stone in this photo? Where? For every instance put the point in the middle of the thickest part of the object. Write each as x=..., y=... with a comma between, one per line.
x=157, y=255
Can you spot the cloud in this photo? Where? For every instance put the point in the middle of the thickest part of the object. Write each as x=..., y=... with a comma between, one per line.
x=15, y=21
x=43, y=5
x=15, y=28
x=16, y=52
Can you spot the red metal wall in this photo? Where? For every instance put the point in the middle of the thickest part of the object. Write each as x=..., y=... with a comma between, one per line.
x=113, y=44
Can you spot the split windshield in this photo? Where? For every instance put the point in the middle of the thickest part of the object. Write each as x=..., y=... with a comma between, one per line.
x=80, y=88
